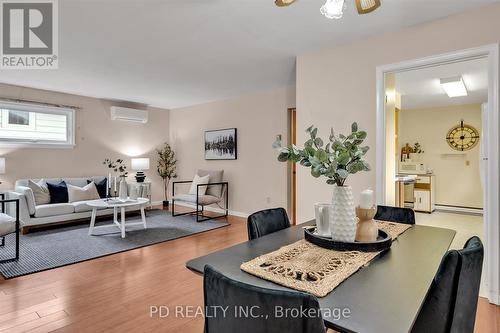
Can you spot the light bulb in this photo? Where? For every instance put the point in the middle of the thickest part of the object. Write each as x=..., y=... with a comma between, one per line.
x=333, y=9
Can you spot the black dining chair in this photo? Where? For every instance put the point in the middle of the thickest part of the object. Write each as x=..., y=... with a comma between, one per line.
x=395, y=214
x=251, y=309
x=267, y=221
x=451, y=303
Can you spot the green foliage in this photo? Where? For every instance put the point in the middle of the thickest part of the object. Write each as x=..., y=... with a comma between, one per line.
x=117, y=166
x=342, y=156
x=166, y=166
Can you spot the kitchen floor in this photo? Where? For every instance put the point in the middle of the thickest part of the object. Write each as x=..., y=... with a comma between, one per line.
x=465, y=225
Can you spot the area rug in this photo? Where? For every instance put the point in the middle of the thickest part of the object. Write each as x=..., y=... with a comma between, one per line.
x=58, y=247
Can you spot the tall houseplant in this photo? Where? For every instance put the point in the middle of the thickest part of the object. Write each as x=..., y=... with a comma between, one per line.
x=166, y=168
x=341, y=156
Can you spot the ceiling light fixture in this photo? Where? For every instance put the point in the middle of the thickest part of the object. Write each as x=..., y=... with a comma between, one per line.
x=283, y=3
x=333, y=9
x=454, y=86
x=367, y=6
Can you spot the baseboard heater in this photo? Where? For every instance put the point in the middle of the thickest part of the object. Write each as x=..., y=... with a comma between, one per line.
x=459, y=209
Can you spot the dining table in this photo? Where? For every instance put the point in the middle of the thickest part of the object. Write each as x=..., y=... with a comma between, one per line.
x=384, y=296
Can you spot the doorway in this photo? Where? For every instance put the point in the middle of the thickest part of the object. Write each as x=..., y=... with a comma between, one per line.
x=391, y=148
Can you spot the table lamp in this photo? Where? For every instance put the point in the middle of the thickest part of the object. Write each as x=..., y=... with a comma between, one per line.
x=139, y=165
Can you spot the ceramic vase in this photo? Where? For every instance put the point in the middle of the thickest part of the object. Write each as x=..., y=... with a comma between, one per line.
x=343, y=218
x=123, y=192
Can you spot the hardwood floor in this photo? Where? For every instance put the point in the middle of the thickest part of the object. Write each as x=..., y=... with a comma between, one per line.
x=115, y=293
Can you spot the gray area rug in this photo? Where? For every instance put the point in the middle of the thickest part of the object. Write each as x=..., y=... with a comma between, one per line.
x=58, y=247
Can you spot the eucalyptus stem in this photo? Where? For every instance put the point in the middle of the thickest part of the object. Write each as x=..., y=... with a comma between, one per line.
x=342, y=156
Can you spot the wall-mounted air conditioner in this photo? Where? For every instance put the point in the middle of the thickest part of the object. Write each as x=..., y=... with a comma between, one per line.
x=127, y=114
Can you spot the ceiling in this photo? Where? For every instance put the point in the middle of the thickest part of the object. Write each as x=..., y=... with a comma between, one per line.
x=422, y=89
x=175, y=53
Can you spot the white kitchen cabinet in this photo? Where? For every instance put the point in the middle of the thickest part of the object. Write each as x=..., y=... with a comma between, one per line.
x=424, y=195
x=422, y=200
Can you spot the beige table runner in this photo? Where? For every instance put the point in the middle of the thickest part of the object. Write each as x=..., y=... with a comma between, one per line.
x=306, y=267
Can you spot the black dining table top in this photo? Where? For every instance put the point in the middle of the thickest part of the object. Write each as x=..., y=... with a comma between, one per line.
x=383, y=297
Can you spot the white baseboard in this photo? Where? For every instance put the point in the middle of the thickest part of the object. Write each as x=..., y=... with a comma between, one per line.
x=477, y=211
x=215, y=209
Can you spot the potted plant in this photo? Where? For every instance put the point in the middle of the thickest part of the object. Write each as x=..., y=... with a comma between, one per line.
x=343, y=155
x=417, y=151
x=166, y=168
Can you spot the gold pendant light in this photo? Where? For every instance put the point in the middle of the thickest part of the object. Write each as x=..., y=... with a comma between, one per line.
x=367, y=6
x=283, y=3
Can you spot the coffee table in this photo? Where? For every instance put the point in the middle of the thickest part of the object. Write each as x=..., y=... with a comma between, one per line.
x=117, y=204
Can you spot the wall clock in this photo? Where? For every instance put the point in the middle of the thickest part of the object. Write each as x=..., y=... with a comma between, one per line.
x=462, y=137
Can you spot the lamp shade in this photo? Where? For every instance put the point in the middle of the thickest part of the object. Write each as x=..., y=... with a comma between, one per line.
x=2, y=165
x=140, y=164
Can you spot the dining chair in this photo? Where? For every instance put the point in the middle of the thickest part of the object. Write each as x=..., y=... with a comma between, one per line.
x=451, y=303
x=267, y=221
x=251, y=309
x=395, y=214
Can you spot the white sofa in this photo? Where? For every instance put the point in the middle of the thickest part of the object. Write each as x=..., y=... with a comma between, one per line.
x=36, y=215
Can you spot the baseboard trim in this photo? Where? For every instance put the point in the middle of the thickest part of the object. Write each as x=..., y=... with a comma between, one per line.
x=215, y=209
x=466, y=210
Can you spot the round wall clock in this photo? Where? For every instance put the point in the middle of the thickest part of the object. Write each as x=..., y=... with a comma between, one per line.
x=462, y=137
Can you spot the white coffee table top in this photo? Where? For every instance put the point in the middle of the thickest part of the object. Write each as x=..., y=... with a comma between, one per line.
x=115, y=202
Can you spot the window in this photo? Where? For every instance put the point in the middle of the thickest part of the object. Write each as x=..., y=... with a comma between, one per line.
x=19, y=118
x=32, y=125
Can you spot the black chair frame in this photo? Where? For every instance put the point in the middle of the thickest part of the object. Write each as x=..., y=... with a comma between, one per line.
x=3, y=202
x=200, y=216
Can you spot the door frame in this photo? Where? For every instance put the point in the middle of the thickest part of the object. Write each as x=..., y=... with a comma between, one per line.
x=491, y=213
x=292, y=167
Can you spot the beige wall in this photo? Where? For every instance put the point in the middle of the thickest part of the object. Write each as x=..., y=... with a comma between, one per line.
x=457, y=174
x=97, y=137
x=338, y=86
x=256, y=179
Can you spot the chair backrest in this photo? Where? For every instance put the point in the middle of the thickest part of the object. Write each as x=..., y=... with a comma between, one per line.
x=395, y=214
x=256, y=310
x=469, y=281
x=215, y=176
x=267, y=221
x=451, y=303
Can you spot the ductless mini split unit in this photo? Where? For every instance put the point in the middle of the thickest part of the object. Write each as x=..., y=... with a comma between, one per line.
x=127, y=114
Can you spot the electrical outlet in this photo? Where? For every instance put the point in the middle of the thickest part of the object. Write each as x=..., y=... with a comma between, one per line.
x=268, y=200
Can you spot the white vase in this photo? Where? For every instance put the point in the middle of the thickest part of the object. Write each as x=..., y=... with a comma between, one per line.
x=123, y=192
x=343, y=218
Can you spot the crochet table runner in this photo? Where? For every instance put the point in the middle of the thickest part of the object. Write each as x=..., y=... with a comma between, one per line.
x=306, y=267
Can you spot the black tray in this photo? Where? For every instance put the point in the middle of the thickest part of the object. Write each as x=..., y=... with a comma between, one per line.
x=383, y=242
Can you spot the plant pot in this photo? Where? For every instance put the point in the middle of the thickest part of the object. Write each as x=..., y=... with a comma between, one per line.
x=415, y=157
x=343, y=218
x=165, y=203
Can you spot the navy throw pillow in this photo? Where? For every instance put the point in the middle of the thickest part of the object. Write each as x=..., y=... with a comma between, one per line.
x=58, y=192
x=101, y=187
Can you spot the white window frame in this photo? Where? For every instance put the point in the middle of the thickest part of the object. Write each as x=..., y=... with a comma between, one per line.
x=28, y=107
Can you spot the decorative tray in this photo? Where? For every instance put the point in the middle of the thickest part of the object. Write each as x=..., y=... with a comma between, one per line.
x=383, y=242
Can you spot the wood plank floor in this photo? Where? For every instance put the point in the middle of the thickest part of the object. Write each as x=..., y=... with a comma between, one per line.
x=114, y=293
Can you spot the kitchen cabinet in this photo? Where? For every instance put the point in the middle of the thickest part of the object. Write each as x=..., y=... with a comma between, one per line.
x=423, y=194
